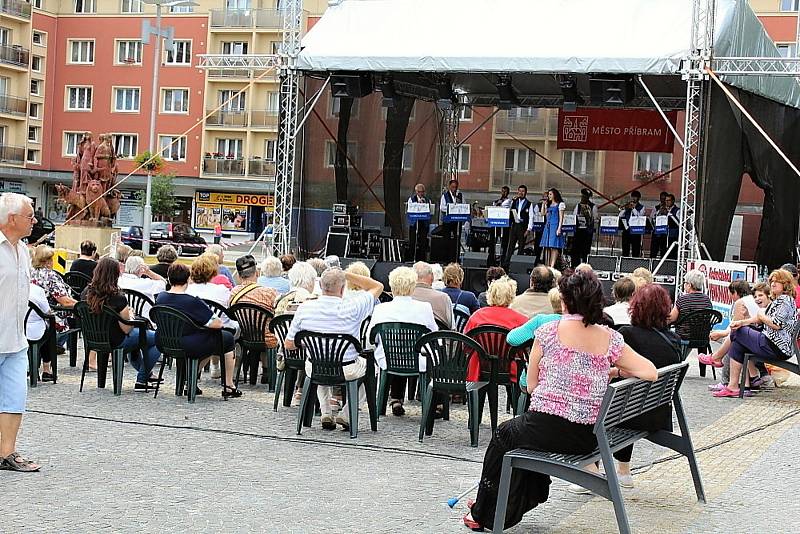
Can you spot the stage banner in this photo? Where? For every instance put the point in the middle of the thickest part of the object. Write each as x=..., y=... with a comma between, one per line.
x=418, y=211
x=457, y=213
x=609, y=224
x=631, y=130
x=662, y=223
x=538, y=222
x=718, y=275
x=638, y=225
x=568, y=225
x=498, y=217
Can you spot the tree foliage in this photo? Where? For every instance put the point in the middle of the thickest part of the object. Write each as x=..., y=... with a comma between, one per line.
x=162, y=198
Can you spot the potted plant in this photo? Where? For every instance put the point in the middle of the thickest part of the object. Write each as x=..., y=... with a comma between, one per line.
x=152, y=163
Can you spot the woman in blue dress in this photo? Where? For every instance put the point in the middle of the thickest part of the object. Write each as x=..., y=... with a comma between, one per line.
x=552, y=239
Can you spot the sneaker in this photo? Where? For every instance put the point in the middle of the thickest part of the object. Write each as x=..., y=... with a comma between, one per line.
x=296, y=398
x=578, y=490
x=327, y=423
x=341, y=421
x=140, y=387
x=625, y=481
x=215, y=371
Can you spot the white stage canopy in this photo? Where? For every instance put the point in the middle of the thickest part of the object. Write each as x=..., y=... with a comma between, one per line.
x=469, y=39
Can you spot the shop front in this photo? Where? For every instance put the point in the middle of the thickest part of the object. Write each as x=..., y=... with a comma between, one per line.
x=241, y=216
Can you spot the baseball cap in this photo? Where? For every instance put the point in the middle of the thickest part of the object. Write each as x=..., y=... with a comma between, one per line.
x=245, y=263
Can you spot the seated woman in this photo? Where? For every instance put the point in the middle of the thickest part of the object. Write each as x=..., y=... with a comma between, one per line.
x=199, y=342
x=272, y=275
x=574, y=356
x=692, y=299
x=622, y=290
x=55, y=288
x=773, y=341
x=103, y=290
x=492, y=274
x=453, y=278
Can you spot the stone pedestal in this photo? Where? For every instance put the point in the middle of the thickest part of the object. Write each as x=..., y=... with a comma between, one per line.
x=70, y=237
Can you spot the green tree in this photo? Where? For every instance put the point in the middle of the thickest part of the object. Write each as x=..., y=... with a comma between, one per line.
x=162, y=198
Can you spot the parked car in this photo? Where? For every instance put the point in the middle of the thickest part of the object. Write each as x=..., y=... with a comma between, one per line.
x=132, y=236
x=183, y=237
x=42, y=227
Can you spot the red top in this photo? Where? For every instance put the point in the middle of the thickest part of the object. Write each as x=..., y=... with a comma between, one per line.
x=494, y=316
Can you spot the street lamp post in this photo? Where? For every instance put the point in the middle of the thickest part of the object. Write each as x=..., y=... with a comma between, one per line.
x=167, y=33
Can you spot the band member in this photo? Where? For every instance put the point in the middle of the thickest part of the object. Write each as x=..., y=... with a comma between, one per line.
x=658, y=242
x=673, y=212
x=520, y=222
x=539, y=211
x=631, y=243
x=586, y=217
x=418, y=231
x=450, y=229
x=552, y=235
x=503, y=202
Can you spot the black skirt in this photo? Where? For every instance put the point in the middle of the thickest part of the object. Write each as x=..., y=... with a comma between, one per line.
x=535, y=431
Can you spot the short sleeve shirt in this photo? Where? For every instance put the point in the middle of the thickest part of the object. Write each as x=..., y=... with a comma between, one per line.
x=196, y=309
x=54, y=287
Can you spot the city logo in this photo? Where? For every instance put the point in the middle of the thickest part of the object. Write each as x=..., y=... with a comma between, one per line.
x=575, y=128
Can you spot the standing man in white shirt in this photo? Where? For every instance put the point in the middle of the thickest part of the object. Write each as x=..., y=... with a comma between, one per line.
x=450, y=229
x=418, y=232
x=16, y=222
x=521, y=224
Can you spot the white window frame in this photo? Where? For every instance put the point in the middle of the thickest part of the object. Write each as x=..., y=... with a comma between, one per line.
x=464, y=114
x=132, y=143
x=133, y=46
x=271, y=155
x=523, y=113
x=37, y=134
x=583, y=156
x=653, y=161
x=37, y=4
x=28, y=153
x=408, y=156
x=181, y=9
x=184, y=55
x=185, y=100
x=65, y=147
x=129, y=7
x=230, y=145
x=787, y=50
x=135, y=97
x=524, y=160
x=84, y=6
x=71, y=43
x=179, y=148
x=243, y=47
x=39, y=60
x=330, y=153
x=237, y=105
x=42, y=38
x=464, y=155
x=273, y=101
x=788, y=6
x=5, y=36
x=38, y=107
x=82, y=93
x=38, y=83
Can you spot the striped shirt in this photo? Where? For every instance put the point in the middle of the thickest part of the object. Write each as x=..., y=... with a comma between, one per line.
x=689, y=302
x=782, y=311
x=333, y=315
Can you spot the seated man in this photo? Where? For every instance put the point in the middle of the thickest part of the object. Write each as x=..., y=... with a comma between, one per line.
x=402, y=309
x=622, y=290
x=139, y=277
x=85, y=263
x=439, y=301
x=535, y=300
x=330, y=313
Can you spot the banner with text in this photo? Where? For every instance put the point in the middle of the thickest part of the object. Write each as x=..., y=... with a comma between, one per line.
x=632, y=130
x=718, y=276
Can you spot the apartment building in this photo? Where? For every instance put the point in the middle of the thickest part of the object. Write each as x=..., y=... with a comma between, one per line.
x=15, y=83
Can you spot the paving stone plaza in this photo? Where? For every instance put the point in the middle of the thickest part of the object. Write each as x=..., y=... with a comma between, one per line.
x=134, y=463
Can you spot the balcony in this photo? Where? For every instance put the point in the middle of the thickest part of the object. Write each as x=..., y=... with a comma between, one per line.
x=228, y=73
x=522, y=126
x=271, y=19
x=13, y=105
x=232, y=119
x=14, y=55
x=12, y=154
x=16, y=8
x=264, y=118
x=223, y=167
x=260, y=167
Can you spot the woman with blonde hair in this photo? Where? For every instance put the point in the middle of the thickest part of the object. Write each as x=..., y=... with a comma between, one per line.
x=56, y=289
x=359, y=268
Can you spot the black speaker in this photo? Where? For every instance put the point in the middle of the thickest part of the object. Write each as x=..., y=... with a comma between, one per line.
x=352, y=85
x=612, y=90
x=628, y=265
x=603, y=263
x=337, y=242
x=442, y=249
x=345, y=262
x=523, y=281
x=669, y=268
x=474, y=279
x=522, y=264
x=474, y=259
x=381, y=270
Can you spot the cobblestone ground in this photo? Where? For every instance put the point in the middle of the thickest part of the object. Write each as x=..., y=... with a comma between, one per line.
x=134, y=463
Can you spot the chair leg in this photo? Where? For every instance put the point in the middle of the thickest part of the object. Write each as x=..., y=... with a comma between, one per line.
x=522, y=402
x=615, y=491
x=426, y=423
x=304, y=400
x=33, y=364
x=117, y=365
x=313, y=401
x=72, y=340
x=502, y=495
x=445, y=407
x=743, y=375
x=288, y=386
x=180, y=376
x=713, y=369
x=372, y=407
x=412, y=388
x=160, y=376
x=474, y=417
x=239, y=360
x=85, y=368
x=253, y=358
x=383, y=393
x=278, y=385
x=493, y=405
x=352, y=407
x=102, y=369
x=192, y=368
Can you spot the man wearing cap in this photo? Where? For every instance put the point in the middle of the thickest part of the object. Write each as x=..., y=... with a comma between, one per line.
x=586, y=217
x=251, y=293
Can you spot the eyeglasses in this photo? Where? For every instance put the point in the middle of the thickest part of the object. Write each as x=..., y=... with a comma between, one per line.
x=31, y=218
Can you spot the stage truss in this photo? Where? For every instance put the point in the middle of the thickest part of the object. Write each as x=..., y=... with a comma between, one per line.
x=694, y=72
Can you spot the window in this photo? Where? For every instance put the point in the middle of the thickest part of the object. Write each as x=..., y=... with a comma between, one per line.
x=172, y=147
x=34, y=133
x=4, y=85
x=34, y=110
x=237, y=4
x=789, y=5
x=180, y=9
x=275, y=47
x=129, y=52
x=234, y=47
x=653, y=161
x=462, y=165
x=523, y=113
x=465, y=113
x=330, y=153
x=272, y=101
x=181, y=53
x=230, y=148
x=578, y=162
x=39, y=38
x=519, y=160
x=231, y=101
x=36, y=63
x=126, y=99
x=36, y=3
x=408, y=156
x=126, y=145
x=270, y=149
x=79, y=98
x=335, y=104
x=36, y=87
x=81, y=52
x=71, y=142
x=175, y=101
x=131, y=6
x=5, y=36
x=32, y=156
x=84, y=6
x=787, y=49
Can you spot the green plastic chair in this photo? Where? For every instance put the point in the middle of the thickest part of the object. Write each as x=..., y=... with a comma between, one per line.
x=398, y=341
x=293, y=361
x=253, y=322
x=35, y=346
x=447, y=354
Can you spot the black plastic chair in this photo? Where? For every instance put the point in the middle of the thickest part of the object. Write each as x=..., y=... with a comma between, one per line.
x=385, y=297
x=137, y=301
x=46, y=342
x=217, y=308
x=398, y=341
x=447, y=354
x=326, y=354
x=97, y=329
x=171, y=324
x=442, y=325
x=694, y=328
x=73, y=332
x=253, y=323
x=77, y=282
x=460, y=319
x=292, y=359
x=496, y=370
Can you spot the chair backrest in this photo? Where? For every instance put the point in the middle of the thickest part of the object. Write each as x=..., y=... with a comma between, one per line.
x=253, y=322
x=77, y=281
x=697, y=325
x=326, y=353
x=398, y=341
x=442, y=325
x=493, y=340
x=48, y=318
x=363, y=333
x=172, y=324
x=385, y=297
x=140, y=302
x=96, y=327
x=628, y=398
x=447, y=355
x=280, y=327
x=217, y=308
x=460, y=319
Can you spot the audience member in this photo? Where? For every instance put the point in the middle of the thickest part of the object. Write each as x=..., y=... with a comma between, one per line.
x=287, y=262
x=575, y=356
x=359, y=268
x=85, y=263
x=438, y=275
x=453, y=278
x=166, y=256
x=535, y=300
x=139, y=277
x=217, y=250
x=584, y=267
x=692, y=299
x=56, y=289
x=792, y=269
x=272, y=275
x=35, y=328
x=332, y=261
x=194, y=341
x=319, y=266
x=644, y=274
x=492, y=274
x=440, y=303
x=527, y=332
x=302, y=277
x=330, y=313
x=122, y=253
x=203, y=269
x=135, y=252
x=401, y=309
x=622, y=290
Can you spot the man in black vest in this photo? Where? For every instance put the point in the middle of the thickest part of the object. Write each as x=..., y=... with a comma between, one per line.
x=450, y=229
x=586, y=218
x=418, y=231
x=520, y=220
x=631, y=243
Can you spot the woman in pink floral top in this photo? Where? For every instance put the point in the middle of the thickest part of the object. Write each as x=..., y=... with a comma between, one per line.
x=568, y=376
